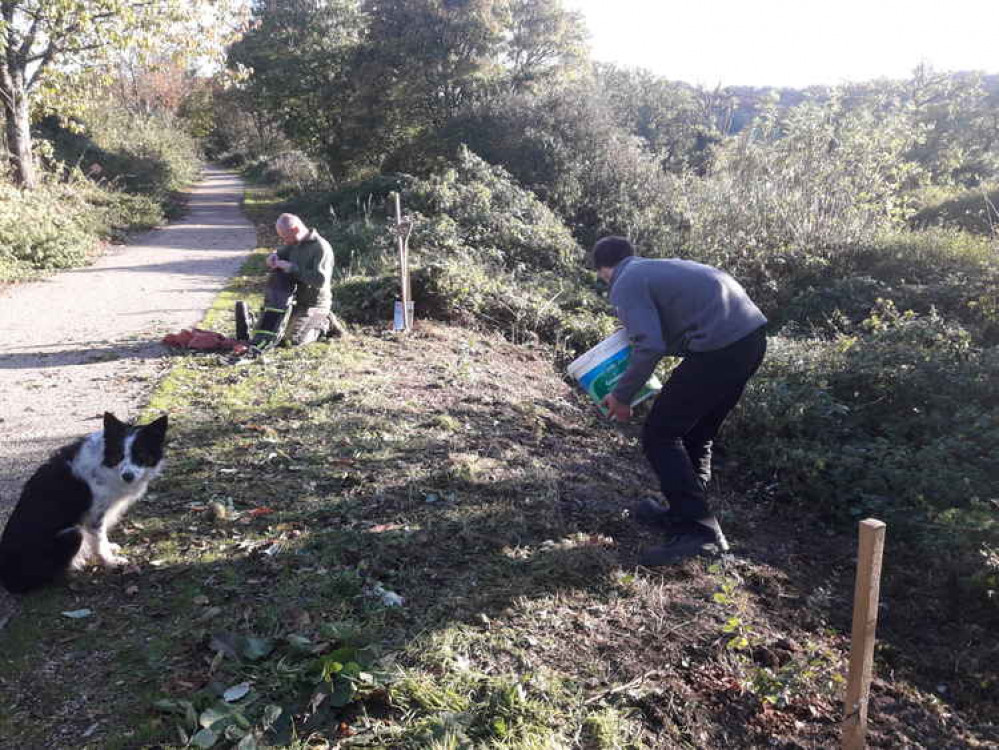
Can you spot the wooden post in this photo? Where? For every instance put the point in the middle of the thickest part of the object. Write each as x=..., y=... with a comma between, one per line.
x=402, y=239
x=865, y=620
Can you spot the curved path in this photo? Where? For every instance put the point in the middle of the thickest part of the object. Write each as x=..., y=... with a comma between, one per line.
x=87, y=341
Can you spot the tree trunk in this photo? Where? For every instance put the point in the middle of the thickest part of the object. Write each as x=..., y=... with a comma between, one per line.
x=17, y=123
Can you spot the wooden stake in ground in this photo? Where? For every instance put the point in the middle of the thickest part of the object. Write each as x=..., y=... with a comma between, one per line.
x=865, y=620
x=402, y=229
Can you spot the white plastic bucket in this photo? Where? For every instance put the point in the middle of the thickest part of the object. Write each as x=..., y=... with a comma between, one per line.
x=599, y=369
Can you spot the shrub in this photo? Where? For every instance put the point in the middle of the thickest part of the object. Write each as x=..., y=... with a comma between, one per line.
x=150, y=155
x=135, y=164
x=834, y=307
x=898, y=420
x=357, y=203
x=975, y=211
x=477, y=210
x=949, y=271
x=494, y=254
x=532, y=307
x=484, y=251
x=287, y=170
x=58, y=226
x=49, y=228
x=569, y=147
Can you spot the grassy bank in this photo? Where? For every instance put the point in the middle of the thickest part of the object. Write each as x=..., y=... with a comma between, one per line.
x=424, y=542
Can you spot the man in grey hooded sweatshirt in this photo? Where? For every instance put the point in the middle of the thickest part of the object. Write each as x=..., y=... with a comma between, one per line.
x=684, y=309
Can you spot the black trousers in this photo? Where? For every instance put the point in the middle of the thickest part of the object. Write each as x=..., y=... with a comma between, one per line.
x=686, y=417
x=282, y=316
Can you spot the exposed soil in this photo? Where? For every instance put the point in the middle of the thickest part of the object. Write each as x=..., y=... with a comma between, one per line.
x=463, y=472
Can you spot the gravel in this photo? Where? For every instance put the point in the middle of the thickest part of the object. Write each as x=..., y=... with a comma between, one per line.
x=87, y=341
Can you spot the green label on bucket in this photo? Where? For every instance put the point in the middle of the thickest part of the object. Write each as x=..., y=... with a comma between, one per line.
x=601, y=380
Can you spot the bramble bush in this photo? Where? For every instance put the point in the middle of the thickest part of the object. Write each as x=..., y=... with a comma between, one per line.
x=46, y=229
x=477, y=210
x=287, y=170
x=150, y=155
x=974, y=211
x=485, y=251
x=952, y=272
x=897, y=421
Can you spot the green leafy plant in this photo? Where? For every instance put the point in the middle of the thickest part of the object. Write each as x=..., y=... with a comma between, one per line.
x=322, y=675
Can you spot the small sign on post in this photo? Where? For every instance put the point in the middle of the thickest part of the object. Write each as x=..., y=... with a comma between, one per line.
x=865, y=620
x=403, y=318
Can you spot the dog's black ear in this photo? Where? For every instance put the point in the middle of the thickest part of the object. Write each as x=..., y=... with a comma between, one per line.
x=157, y=428
x=148, y=447
x=114, y=439
x=112, y=423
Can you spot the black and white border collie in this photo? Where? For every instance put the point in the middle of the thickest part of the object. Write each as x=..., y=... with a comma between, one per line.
x=74, y=499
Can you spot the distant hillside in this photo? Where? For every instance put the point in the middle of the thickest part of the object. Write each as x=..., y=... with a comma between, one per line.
x=745, y=102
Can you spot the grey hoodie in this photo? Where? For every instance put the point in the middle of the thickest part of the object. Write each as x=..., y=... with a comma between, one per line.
x=676, y=307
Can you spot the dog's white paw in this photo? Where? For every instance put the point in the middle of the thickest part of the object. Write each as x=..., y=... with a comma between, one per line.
x=113, y=561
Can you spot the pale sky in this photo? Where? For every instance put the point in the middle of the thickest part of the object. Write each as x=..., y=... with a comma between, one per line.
x=788, y=43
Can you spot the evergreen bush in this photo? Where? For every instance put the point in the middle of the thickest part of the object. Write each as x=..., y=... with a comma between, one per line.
x=897, y=421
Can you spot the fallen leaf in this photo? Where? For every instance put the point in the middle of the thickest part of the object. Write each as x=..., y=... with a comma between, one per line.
x=204, y=738
x=255, y=648
x=225, y=643
x=263, y=511
x=383, y=527
x=271, y=714
x=235, y=692
x=77, y=614
x=209, y=614
x=388, y=598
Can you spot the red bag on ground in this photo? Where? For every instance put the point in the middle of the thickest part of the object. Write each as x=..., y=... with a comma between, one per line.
x=206, y=341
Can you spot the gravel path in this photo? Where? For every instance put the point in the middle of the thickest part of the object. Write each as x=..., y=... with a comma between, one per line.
x=87, y=341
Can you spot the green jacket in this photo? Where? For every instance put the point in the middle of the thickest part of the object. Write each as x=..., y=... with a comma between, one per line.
x=312, y=270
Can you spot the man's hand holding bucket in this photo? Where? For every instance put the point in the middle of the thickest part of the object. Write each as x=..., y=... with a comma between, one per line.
x=616, y=410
